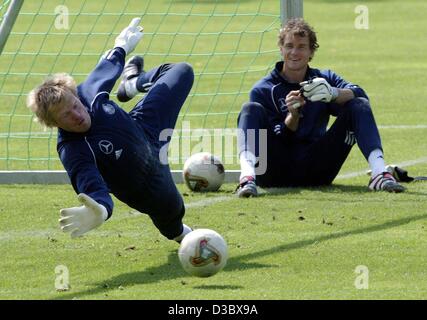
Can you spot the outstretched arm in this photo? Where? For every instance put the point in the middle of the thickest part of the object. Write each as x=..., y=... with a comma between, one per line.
x=97, y=205
x=110, y=67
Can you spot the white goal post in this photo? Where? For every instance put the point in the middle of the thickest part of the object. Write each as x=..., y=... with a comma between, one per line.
x=8, y=21
x=290, y=9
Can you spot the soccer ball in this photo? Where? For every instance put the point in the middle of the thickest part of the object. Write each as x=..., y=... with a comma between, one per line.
x=203, y=252
x=203, y=172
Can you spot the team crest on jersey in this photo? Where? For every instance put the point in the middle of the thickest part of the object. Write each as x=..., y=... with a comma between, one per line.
x=283, y=106
x=105, y=146
x=108, y=108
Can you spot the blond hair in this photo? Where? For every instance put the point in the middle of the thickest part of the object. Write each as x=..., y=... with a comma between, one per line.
x=43, y=99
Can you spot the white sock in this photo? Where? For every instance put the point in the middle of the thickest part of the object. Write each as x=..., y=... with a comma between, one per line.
x=186, y=230
x=247, y=164
x=130, y=87
x=376, y=162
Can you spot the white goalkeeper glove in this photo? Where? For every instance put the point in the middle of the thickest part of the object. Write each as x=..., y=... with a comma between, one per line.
x=130, y=36
x=318, y=89
x=79, y=220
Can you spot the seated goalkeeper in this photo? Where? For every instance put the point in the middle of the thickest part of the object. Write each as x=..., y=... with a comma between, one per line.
x=292, y=106
x=107, y=150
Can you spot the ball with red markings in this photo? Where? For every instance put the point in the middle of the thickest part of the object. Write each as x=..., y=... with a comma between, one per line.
x=203, y=172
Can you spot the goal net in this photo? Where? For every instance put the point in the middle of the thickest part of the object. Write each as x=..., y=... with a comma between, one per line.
x=230, y=44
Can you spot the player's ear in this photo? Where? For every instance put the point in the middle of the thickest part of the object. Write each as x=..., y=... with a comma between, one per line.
x=282, y=50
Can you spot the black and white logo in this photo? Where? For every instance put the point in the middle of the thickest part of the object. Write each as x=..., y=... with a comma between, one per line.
x=118, y=153
x=105, y=146
x=108, y=108
x=350, y=138
x=283, y=106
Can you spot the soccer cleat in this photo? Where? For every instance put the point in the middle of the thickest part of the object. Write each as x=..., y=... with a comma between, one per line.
x=185, y=230
x=133, y=68
x=385, y=181
x=247, y=188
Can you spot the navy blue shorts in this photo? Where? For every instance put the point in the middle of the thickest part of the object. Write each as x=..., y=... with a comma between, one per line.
x=159, y=108
x=299, y=163
x=156, y=114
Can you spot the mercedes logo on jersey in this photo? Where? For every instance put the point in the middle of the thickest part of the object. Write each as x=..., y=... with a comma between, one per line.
x=105, y=146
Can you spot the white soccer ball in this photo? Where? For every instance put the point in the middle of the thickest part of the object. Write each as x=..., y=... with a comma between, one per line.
x=203, y=172
x=203, y=252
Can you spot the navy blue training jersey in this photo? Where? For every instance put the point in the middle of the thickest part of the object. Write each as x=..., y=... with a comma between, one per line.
x=114, y=155
x=272, y=90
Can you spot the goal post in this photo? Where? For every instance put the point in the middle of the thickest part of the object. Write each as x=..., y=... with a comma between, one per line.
x=8, y=19
x=290, y=9
x=230, y=44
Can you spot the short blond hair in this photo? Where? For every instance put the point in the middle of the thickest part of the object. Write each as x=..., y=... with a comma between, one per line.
x=42, y=99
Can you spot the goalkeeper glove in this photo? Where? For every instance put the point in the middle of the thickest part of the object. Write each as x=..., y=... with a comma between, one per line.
x=79, y=220
x=130, y=36
x=318, y=89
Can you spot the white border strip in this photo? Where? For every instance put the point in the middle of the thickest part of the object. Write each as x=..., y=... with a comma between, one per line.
x=61, y=177
x=402, y=164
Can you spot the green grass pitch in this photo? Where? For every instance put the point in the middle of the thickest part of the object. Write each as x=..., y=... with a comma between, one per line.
x=285, y=244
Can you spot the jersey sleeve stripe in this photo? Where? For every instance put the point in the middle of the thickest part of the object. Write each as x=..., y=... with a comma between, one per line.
x=91, y=150
x=97, y=95
x=272, y=96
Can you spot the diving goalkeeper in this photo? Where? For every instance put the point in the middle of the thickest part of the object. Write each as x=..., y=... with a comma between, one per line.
x=107, y=150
